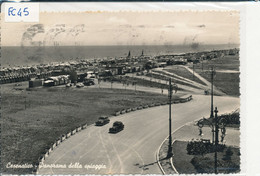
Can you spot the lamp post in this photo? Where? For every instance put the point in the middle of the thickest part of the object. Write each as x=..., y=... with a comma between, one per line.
x=193, y=70
x=216, y=140
x=216, y=124
x=212, y=79
x=170, y=120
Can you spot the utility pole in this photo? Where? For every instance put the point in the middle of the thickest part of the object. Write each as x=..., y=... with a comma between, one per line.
x=170, y=120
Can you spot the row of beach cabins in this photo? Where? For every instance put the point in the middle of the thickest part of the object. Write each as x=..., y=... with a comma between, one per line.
x=44, y=72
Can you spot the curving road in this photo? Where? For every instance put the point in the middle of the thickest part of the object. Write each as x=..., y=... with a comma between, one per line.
x=133, y=150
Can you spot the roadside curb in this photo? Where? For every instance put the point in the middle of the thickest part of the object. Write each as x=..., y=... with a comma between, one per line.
x=172, y=162
x=56, y=144
x=157, y=156
x=189, y=98
x=172, y=165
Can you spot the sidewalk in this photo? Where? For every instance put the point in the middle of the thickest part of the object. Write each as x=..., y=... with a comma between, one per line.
x=187, y=133
x=191, y=131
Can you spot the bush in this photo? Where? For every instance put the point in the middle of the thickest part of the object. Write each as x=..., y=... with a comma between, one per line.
x=233, y=118
x=203, y=164
x=230, y=119
x=228, y=155
x=202, y=147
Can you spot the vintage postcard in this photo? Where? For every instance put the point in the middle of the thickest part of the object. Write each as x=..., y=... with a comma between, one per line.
x=120, y=92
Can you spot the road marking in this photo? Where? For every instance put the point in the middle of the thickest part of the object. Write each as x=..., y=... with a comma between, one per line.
x=118, y=156
x=138, y=155
x=109, y=160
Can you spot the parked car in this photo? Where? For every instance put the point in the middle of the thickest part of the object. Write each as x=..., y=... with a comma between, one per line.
x=69, y=85
x=102, y=121
x=117, y=126
x=79, y=85
x=89, y=82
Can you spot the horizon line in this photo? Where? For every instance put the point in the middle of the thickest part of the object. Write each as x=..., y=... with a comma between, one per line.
x=119, y=45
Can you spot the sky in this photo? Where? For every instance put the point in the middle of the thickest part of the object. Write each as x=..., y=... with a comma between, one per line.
x=125, y=28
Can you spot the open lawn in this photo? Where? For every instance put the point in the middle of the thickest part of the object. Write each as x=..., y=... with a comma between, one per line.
x=33, y=119
x=223, y=63
x=193, y=164
x=227, y=82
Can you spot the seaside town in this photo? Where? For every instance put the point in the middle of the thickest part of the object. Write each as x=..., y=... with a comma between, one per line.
x=51, y=96
x=121, y=93
x=55, y=73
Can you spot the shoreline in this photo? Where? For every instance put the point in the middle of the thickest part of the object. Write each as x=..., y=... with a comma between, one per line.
x=43, y=58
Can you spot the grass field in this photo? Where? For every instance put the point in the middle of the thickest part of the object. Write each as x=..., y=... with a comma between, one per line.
x=223, y=63
x=227, y=82
x=205, y=163
x=33, y=120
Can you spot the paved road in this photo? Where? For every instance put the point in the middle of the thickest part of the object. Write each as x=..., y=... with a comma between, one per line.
x=133, y=150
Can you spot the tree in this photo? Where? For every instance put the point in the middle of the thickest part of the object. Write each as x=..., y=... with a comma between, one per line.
x=148, y=66
x=73, y=76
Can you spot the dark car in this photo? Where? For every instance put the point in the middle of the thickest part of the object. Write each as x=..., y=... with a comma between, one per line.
x=117, y=126
x=102, y=121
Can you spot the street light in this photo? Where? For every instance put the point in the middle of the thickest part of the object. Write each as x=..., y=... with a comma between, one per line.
x=169, y=155
x=193, y=70
x=216, y=124
x=212, y=79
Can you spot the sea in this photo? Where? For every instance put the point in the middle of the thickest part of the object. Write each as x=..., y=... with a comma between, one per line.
x=13, y=56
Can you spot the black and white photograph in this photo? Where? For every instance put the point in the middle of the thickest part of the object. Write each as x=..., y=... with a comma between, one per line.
x=121, y=92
